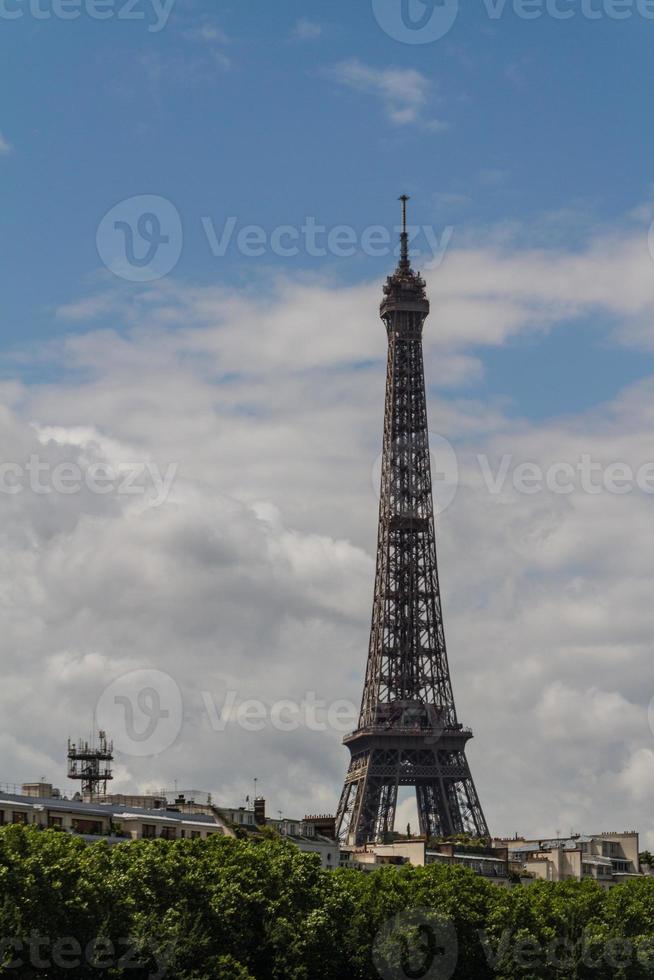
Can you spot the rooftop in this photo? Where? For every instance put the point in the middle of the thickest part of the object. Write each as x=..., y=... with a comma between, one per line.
x=104, y=809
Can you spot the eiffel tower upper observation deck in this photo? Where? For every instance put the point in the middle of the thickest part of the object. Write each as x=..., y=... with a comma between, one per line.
x=408, y=732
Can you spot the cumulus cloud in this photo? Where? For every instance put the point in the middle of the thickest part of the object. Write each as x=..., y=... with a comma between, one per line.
x=636, y=779
x=255, y=575
x=5, y=146
x=403, y=92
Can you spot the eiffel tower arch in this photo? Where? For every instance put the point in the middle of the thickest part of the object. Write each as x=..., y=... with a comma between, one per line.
x=408, y=732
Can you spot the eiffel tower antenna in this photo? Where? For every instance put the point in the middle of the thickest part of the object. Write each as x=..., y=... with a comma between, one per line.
x=404, y=198
x=404, y=237
x=408, y=732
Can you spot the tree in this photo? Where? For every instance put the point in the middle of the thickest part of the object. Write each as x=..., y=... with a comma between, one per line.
x=259, y=909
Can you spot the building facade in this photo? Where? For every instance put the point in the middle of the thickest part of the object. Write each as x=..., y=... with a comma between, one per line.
x=607, y=858
x=113, y=821
x=120, y=818
x=489, y=862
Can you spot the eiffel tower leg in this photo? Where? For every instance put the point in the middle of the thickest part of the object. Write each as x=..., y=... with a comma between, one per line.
x=368, y=802
x=447, y=807
x=344, y=812
x=386, y=809
x=356, y=816
x=433, y=810
x=469, y=808
x=364, y=829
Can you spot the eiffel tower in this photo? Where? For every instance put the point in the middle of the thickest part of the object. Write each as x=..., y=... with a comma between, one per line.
x=408, y=732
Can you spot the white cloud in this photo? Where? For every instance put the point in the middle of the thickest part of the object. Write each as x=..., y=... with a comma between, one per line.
x=484, y=294
x=206, y=32
x=257, y=574
x=636, y=777
x=569, y=714
x=403, y=92
x=5, y=146
x=307, y=30
x=451, y=199
x=209, y=34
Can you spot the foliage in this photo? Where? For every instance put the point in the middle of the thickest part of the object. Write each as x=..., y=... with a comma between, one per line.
x=463, y=842
x=229, y=909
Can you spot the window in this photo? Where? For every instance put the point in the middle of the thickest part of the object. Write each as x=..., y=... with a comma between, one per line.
x=168, y=833
x=2, y=817
x=182, y=833
x=87, y=826
x=19, y=817
x=195, y=834
x=148, y=831
x=55, y=821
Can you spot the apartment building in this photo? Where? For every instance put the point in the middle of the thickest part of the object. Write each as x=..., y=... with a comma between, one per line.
x=491, y=863
x=312, y=834
x=607, y=858
x=119, y=818
x=114, y=821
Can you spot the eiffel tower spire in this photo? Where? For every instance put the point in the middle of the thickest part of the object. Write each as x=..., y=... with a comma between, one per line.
x=408, y=732
x=404, y=264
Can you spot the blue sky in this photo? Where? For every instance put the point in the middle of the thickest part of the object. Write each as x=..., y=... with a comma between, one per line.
x=255, y=382
x=237, y=110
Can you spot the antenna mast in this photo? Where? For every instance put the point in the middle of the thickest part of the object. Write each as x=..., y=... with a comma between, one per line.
x=91, y=764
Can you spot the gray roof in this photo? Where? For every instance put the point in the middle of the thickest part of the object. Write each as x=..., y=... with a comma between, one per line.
x=104, y=809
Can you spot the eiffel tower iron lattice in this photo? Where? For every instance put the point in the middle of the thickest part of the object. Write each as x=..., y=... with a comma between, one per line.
x=408, y=733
